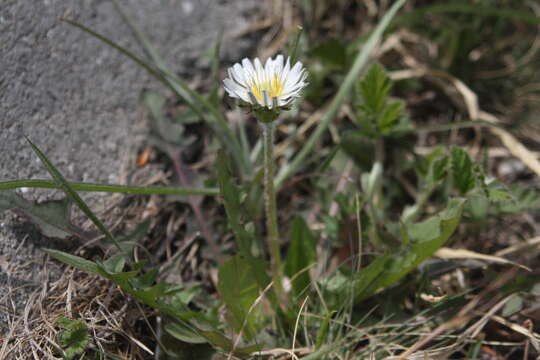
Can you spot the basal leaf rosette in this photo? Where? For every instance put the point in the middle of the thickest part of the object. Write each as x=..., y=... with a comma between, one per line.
x=267, y=89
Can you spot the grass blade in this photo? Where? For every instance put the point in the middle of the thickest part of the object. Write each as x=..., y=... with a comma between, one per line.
x=205, y=109
x=71, y=194
x=358, y=65
x=202, y=107
x=108, y=188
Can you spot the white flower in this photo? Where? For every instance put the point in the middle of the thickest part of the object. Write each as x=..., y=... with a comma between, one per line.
x=273, y=86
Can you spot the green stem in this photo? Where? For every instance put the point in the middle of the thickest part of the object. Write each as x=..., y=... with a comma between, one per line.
x=270, y=207
x=109, y=188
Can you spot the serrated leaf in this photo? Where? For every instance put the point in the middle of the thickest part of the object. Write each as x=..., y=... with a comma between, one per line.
x=389, y=117
x=239, y=289
x=74, y=338
x=53, y=218
x=374, y=89
x=302, y=254
x=462, y=170
x=498, y=195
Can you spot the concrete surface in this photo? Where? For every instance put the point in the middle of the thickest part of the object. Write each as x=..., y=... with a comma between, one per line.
x=77, y=98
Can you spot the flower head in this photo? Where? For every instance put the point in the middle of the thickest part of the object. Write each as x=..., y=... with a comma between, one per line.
x=273, y=86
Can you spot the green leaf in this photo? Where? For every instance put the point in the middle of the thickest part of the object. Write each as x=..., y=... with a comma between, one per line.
x=424, y=239
x=514, y=305
x=368, y=279
x=76, y=261
x=360, y=148
x=523, y=199
x=53, y=218
x=193, y=99
x=323, y=330
x=477, y=206
x=71, y=194
x=166, y=129
x=225, y=344
x=184, y=333
x=108, y=188
x=238, y=288
x=499, y=195
x=462, y=170
x=114, y=264
x=231, y=199
x=302, y=254
x=332, y=53
x=74, y=338
x=390, y=116
x=360, y=62
x=374, y=89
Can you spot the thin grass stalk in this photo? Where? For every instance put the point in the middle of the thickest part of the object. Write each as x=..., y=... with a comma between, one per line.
x=109, y=188
x=360, y=62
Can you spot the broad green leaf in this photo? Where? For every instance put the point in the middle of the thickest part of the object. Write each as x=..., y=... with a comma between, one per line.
x=302, y=254
x=184, y=333
x=514, y=305
x=165, y=129
x=53, y=218
x=425, y=238
x=374, y=89
x=145, y=280
x=367, y=280
x=462, y=170
x=114, y=264
x=477, y=206
x=238, y=288
x=76, y=261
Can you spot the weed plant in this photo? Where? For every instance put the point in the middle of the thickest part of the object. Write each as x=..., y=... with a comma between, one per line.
x=362, y=210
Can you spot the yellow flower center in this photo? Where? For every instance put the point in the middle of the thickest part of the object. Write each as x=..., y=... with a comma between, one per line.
x=274, y=88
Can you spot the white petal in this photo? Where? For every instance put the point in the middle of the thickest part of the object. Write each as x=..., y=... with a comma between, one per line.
x=259, y=70
x=249, y=71
x=238, y=74
x=235, y=90
x=278, y=65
